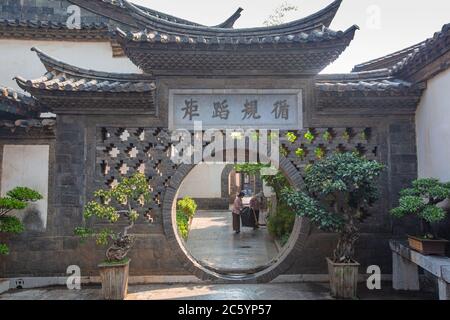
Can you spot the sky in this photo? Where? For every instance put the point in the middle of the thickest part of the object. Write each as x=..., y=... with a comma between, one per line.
x=386, y=26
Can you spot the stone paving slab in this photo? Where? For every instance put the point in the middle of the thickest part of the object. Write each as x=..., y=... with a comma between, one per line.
x=182, y=292
x=213, y=242
x=279, y=291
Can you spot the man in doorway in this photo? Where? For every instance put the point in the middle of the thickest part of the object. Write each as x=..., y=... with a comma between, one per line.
x=237, y=208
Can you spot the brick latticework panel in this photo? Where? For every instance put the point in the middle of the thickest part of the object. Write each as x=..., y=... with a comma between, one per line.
x=327, y=141
x=124, y=151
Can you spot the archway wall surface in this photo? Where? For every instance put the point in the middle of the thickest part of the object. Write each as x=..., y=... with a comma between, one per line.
x=82, y=149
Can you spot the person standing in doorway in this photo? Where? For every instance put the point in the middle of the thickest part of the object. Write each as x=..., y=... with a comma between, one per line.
x=237, y=208
x=255, y=207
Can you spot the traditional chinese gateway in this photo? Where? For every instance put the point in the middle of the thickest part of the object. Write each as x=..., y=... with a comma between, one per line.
x=109, y=125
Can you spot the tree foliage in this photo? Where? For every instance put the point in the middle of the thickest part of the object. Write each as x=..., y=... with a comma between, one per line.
x=17, y=199
x=277, y=182
x=338, y=191
x=422, y=199
x=122, y=202
x=280, y=225
x=279, y=16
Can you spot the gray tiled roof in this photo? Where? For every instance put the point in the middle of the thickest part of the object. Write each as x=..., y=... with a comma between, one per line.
x=305, y=46
x=386, y=61
x=28, y=124
x=373, y=81
x=312, y=36
x=64, y=77
x=425, y=53
x=305, y=52
x=316, y=21
x=119, y=11
x=362, y=91
x=66, y=88
x=14, y=104
x=55, y=11
x=120, y=4
x=34, y=29
x=409, y=60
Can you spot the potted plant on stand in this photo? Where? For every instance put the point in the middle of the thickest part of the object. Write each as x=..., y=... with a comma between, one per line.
x=120, y=203
x=423, y=200
x=339, y=190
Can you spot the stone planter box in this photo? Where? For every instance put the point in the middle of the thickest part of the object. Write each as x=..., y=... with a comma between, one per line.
x=343, y=279
x=428, y=247
x=114, y=277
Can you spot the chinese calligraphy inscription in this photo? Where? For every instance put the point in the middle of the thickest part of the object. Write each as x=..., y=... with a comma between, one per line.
x=223, y=109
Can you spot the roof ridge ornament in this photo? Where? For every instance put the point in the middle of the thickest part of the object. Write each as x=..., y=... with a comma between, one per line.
x=311, y=22
x=229, y=23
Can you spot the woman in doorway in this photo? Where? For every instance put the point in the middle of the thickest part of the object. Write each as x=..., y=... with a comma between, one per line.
x=237, y=207
x=255, y=207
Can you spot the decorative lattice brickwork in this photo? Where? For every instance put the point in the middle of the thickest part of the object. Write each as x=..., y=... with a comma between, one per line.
x=124, y=151
x=315, y=143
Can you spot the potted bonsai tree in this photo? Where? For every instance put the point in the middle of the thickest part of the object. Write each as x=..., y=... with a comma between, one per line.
x=423, y=200
x=17, y=199
x=121, y=203
x=339, y=190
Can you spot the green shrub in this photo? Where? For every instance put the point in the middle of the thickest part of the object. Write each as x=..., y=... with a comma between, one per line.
x=24, y=194
x=4, y=250
x=11, y=225
x=187, y=206
x=186, y=209
x=183, y=224
x=17, y=199
x=280, y=225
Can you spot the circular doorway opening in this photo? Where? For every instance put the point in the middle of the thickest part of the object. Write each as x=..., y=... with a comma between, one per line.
x=212, y=251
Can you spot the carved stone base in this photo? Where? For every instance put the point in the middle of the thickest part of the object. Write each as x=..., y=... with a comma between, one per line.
x=114, y=280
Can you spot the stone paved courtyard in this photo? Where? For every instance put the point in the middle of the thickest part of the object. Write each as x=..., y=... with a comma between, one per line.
x=275, y=291
x=213, y=242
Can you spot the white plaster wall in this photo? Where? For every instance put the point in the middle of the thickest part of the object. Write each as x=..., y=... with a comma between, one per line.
x=18, y=60
x=433, y=129
x=27, y=166
x=203, y=182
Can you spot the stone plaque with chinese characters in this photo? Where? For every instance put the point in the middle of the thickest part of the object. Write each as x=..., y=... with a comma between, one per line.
x=235, y=109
